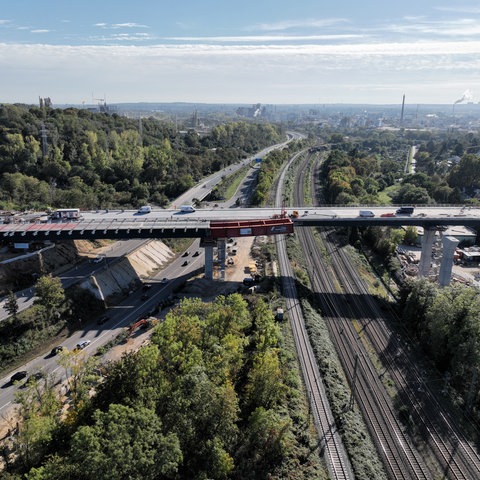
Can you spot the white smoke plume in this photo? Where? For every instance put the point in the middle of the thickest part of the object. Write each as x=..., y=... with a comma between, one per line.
x=466, y=97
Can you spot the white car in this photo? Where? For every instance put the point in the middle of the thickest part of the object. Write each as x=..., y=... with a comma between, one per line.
x=83, y=344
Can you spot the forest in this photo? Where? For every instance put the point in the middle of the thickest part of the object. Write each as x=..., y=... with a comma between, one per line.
x=366, y=167
x=215, y=395
x=75, y=158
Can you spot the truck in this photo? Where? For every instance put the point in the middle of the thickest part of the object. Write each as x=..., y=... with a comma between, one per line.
x=405, y=210
x=145, y=209
x=187, y=208
x=366, y=213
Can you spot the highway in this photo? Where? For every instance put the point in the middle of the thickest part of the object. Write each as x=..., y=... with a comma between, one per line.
x=126, y=245
x=121, y=315
x=165, y=223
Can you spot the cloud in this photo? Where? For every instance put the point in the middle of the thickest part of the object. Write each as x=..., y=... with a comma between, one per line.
x=123, y=37
x=4, y=22
x=267, y=38
x=290, y=24
x=464, y=27
x=357, y=73
x=115, y=26
x=40, y=30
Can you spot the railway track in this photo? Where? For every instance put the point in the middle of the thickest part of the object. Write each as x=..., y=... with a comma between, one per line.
x=457, y=457
x=357, y=321
x=335, y=455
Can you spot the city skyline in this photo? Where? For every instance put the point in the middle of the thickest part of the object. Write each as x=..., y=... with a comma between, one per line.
x=271, y=52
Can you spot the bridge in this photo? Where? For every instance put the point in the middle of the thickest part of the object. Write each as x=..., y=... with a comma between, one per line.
x=214, y=225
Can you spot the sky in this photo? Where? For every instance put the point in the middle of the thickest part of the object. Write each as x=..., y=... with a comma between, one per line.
x=240, y=52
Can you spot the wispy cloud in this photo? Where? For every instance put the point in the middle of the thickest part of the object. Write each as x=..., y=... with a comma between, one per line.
x=40, y=30
x=122, y=37
x=464, y=27
x=291, y=24
x=115, y=26
x=4, y=22
x=267, y=38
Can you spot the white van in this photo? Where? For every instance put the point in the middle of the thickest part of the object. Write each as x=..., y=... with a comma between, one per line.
x=366, y=213
x=145, y=209
x=187, y=209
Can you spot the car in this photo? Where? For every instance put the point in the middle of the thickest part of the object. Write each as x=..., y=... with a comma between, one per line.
x=196, y=254
x=56, y=350
x=391, y=214
x=103, y=320
x=18, y=376
x=83, y=344
x=164, y=280
x=35, y=377
x=248, y=281
x=185, y=263
x=186, y=254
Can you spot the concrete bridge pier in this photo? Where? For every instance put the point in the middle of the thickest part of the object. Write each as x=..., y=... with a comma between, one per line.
x=208, y=245
x=426, y=254
x=222, y=255
x=448, y=251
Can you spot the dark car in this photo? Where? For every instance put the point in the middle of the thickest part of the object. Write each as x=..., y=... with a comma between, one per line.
x=186, y=254
x=18, y=376
x=35, y=377
x=57, y=350
x=196, y=254
x=103, y=320
x=164, y=280
x=185, y=263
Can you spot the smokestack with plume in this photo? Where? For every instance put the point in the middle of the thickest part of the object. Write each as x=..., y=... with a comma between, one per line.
x=466, y=97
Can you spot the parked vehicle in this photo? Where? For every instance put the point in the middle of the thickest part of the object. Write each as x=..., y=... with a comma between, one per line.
x=185, y=263
x=391, y=214
x=164, y=280
x=35, y=377
x=405, y=210
x=57, y=350
x=83, y=344
x=196, y=254
x=18, y=376
x=366, y=213
x=187, y=208
x=186, y=254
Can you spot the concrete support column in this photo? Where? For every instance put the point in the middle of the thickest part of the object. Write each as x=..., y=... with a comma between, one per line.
x=426, y=255
x=209, y=262
x=222, y=255
x=448, y=252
